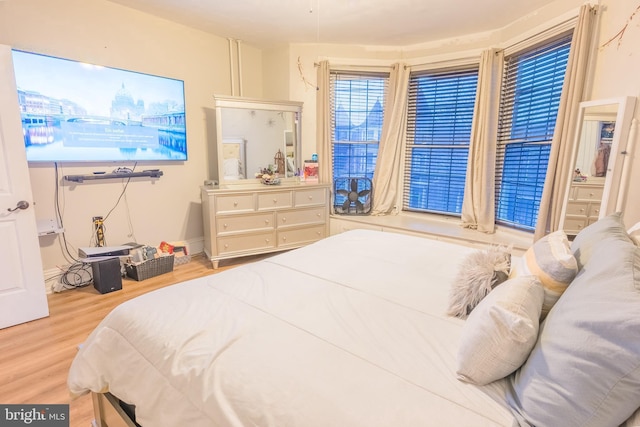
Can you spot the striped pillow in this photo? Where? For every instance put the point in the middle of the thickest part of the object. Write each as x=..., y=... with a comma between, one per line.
x=549, y=259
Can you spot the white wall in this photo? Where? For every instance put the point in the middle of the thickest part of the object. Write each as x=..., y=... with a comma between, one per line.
x=101, y=32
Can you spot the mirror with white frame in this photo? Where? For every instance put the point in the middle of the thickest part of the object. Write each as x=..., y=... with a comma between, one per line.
x=253, y=135
x=593, y=188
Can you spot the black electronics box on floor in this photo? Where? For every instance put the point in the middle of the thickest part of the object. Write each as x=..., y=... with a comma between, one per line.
x=107, y=276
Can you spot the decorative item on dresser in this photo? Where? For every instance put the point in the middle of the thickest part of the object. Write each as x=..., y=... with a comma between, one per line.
x=254, y=219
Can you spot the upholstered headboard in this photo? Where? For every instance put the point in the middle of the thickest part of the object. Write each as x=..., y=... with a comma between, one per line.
x=233, y=153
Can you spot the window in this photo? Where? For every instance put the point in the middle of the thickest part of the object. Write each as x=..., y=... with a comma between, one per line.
x=531, y=88
x=439, y=122
x=357, y=111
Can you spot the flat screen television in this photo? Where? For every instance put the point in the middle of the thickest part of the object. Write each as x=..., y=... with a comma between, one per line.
x=77, y=112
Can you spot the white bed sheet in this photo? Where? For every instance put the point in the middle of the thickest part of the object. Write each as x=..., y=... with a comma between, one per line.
x=349, y=331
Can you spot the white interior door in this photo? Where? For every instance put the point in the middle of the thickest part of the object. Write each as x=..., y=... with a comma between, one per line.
x=22, y=291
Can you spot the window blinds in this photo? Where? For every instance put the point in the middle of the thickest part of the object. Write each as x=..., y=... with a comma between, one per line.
x=531, y=89
x=357, y=112
x=439, y=119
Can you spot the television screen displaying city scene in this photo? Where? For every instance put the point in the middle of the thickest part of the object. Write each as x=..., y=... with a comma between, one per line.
x=78, y=112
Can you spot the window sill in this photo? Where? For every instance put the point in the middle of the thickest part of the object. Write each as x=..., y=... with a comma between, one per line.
x=435, y=227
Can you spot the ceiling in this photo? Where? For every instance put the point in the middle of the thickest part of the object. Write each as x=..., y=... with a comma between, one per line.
x=268, y=23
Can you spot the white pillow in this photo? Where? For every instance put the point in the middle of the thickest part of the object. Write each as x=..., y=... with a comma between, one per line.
x=501, y=331
x=551, y=260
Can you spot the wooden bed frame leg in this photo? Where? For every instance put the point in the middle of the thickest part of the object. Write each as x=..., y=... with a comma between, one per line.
x=97, y=411
x=108, y=412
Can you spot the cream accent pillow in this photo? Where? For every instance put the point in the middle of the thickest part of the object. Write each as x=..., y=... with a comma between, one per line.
x=501, y=331
x=479, y=272
x=549, y=259
x=634, y=420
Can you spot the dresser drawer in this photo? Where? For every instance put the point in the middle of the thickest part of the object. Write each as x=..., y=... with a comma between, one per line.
x=301, y=235
x=578, y=208
x=234, y=203
x=274, y=200
x=574, y=224
x=594, y=210
x=310, y=197
x=243, y=243
x=589, y=193
x=300, y=217
x=234, y=223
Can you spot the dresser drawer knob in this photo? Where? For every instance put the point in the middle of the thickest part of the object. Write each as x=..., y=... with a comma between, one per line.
x=226, y=246
x=267, y=240
x=284, y=219
x=318, y=214
x=284, y=238
x=235, y=204
x=225, y=225
x=266, y=221
x=275, y=201
x=310, y=197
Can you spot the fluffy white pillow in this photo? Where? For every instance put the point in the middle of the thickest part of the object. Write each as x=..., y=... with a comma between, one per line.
x=501, y=331
x=551, y=260
x=479, y=272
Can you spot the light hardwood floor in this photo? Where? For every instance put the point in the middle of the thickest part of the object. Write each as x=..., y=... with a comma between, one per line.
x=35, y=356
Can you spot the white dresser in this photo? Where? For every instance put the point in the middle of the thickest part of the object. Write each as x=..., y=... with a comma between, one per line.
x=583, y=205
x=242, y=220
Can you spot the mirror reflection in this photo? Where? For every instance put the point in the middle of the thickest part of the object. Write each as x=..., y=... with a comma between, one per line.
x=594, y=187
x=254, y=135
x=596, y=139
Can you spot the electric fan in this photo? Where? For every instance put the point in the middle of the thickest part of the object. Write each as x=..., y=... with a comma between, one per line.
x=352, y=196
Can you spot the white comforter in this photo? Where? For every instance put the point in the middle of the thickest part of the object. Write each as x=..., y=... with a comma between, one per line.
x=349, y=331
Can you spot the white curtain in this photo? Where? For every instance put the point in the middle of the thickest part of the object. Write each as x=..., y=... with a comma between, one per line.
x=388, y=163
x=560, y=161
x=323, y=124
x=478, y=206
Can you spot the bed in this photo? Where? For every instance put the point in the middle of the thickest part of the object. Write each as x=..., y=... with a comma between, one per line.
x=351, y=331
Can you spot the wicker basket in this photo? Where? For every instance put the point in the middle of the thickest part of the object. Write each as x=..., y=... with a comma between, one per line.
x=180, y=260
x=151, y=268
